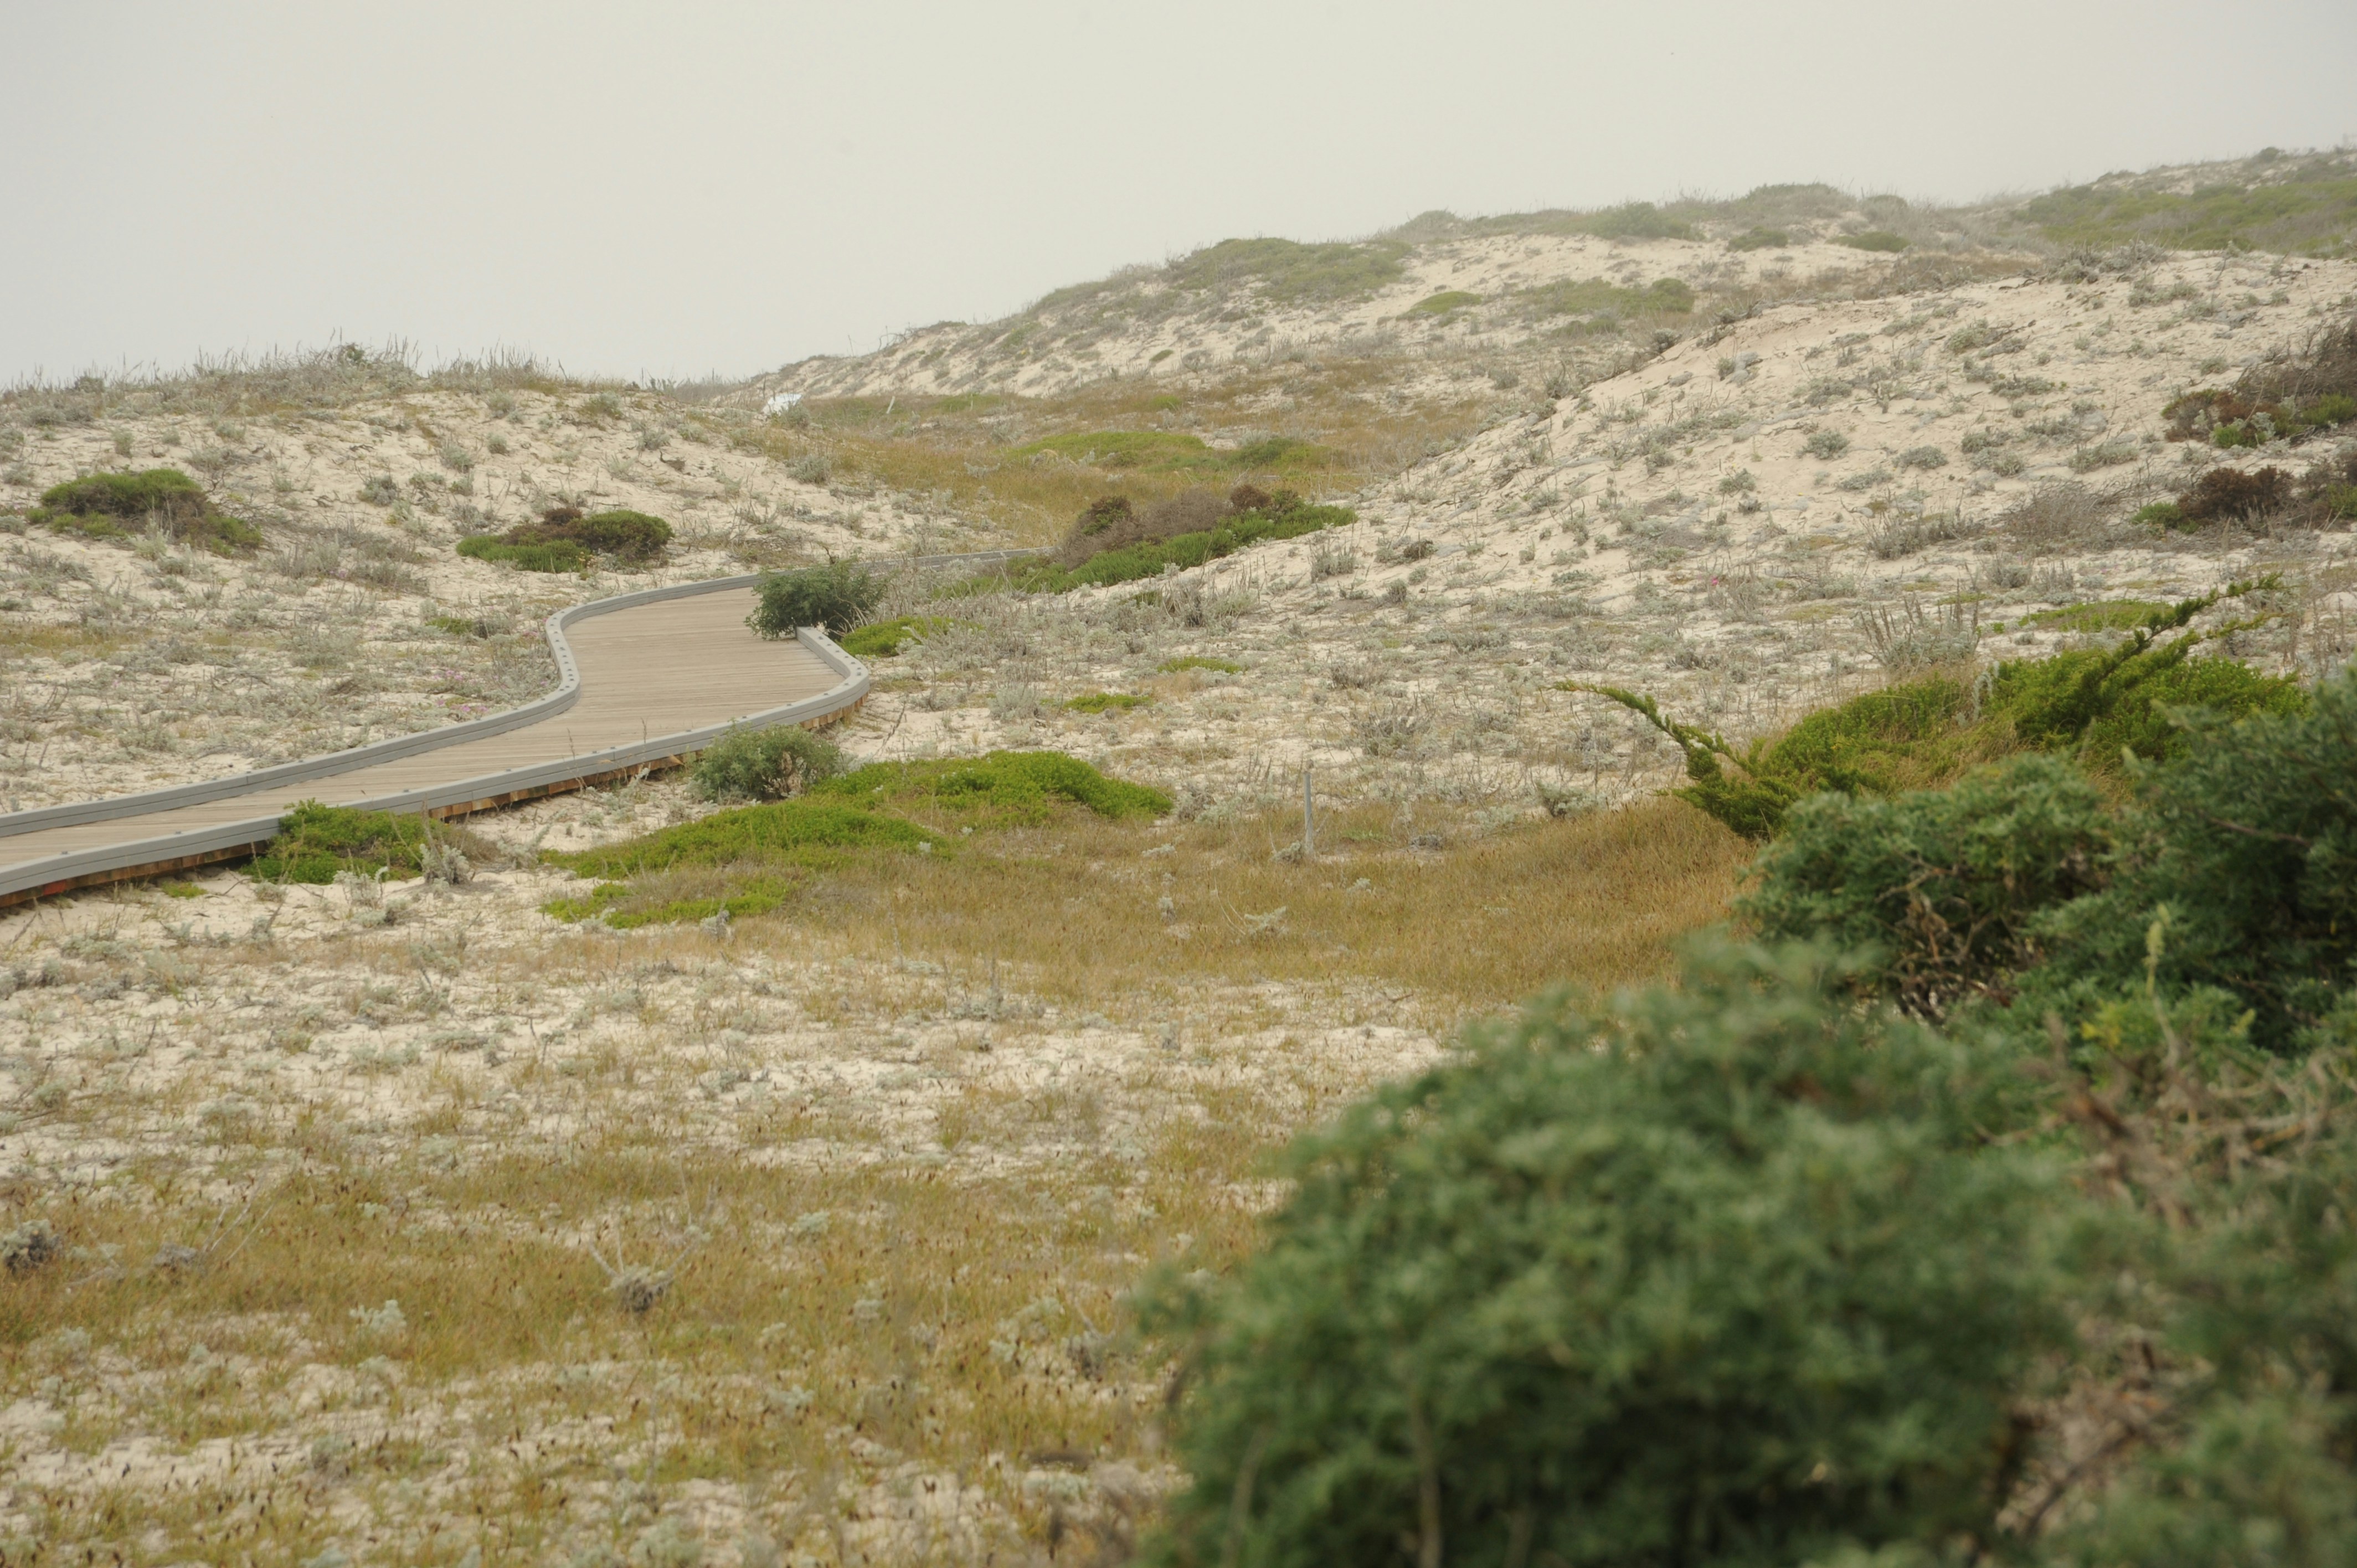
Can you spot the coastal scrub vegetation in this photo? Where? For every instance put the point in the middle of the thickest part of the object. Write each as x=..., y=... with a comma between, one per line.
x=1986, y=1208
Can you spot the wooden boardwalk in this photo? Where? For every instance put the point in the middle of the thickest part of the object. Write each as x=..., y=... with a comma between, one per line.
x=670, y=667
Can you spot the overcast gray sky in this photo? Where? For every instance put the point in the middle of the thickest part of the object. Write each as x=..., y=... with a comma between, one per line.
x=667, y=189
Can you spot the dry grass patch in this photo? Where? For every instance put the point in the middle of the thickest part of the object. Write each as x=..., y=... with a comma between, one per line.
x=1404, y=898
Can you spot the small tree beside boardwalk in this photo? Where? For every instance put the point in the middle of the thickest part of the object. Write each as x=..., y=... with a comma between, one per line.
x=834, y=598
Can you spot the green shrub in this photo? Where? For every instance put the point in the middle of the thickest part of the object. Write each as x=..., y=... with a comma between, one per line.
x=1197, y=662
x=778, y=830
x=1004, y=786
x=314, y=841
x=1147, y=557
x=2248, y=838
x=560, y=556
x=834, y=598
x=629, y=535
x=884, y=638
x=1103, y=702
x=745, y=862
x=1882, y=240
x=2099, y=615
x=1730, y=1274
x=564, y=539
x=1904, y=737
x=1942, y=885
x=116, y=505
x=1443, y=302
x=764, y=764
x=2161, y=514
x=1826, y=444
x=1760, y=240
x=2096, y=702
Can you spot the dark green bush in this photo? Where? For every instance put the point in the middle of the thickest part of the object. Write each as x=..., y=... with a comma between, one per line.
x=628, y=535
x=1882, y=240
x=564, y=539
x=765, y=764
x=2248, y=838
x=1729, y=1274
x=115, y=506
x=1760, y=240
x=1943, y=886
x=834, y=598
x=2095, y=703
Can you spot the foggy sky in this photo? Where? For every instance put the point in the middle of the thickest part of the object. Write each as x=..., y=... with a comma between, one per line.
x=665, y=191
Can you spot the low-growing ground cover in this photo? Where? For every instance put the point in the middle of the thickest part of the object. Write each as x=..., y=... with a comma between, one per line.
x=120, y=506
x=752, y=860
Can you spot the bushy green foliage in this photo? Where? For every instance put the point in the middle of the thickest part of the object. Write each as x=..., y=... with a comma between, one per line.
x=1197, y=662
x=564, y=539
x=1001, y=788
x=1760, y=240
x=1753, y=1271
x=765, y=764
x=315, y=841
x=2248, y=838
x=1727, y=1273
x=1882, y=240
x=1943, y=885
x=118, y=505
x=2097, y=704
x=834, y=598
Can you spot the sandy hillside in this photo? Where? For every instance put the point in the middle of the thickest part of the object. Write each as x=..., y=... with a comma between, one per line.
x=414, y=1222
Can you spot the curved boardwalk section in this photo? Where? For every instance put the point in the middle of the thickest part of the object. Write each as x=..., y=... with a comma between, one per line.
x=646, y=679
